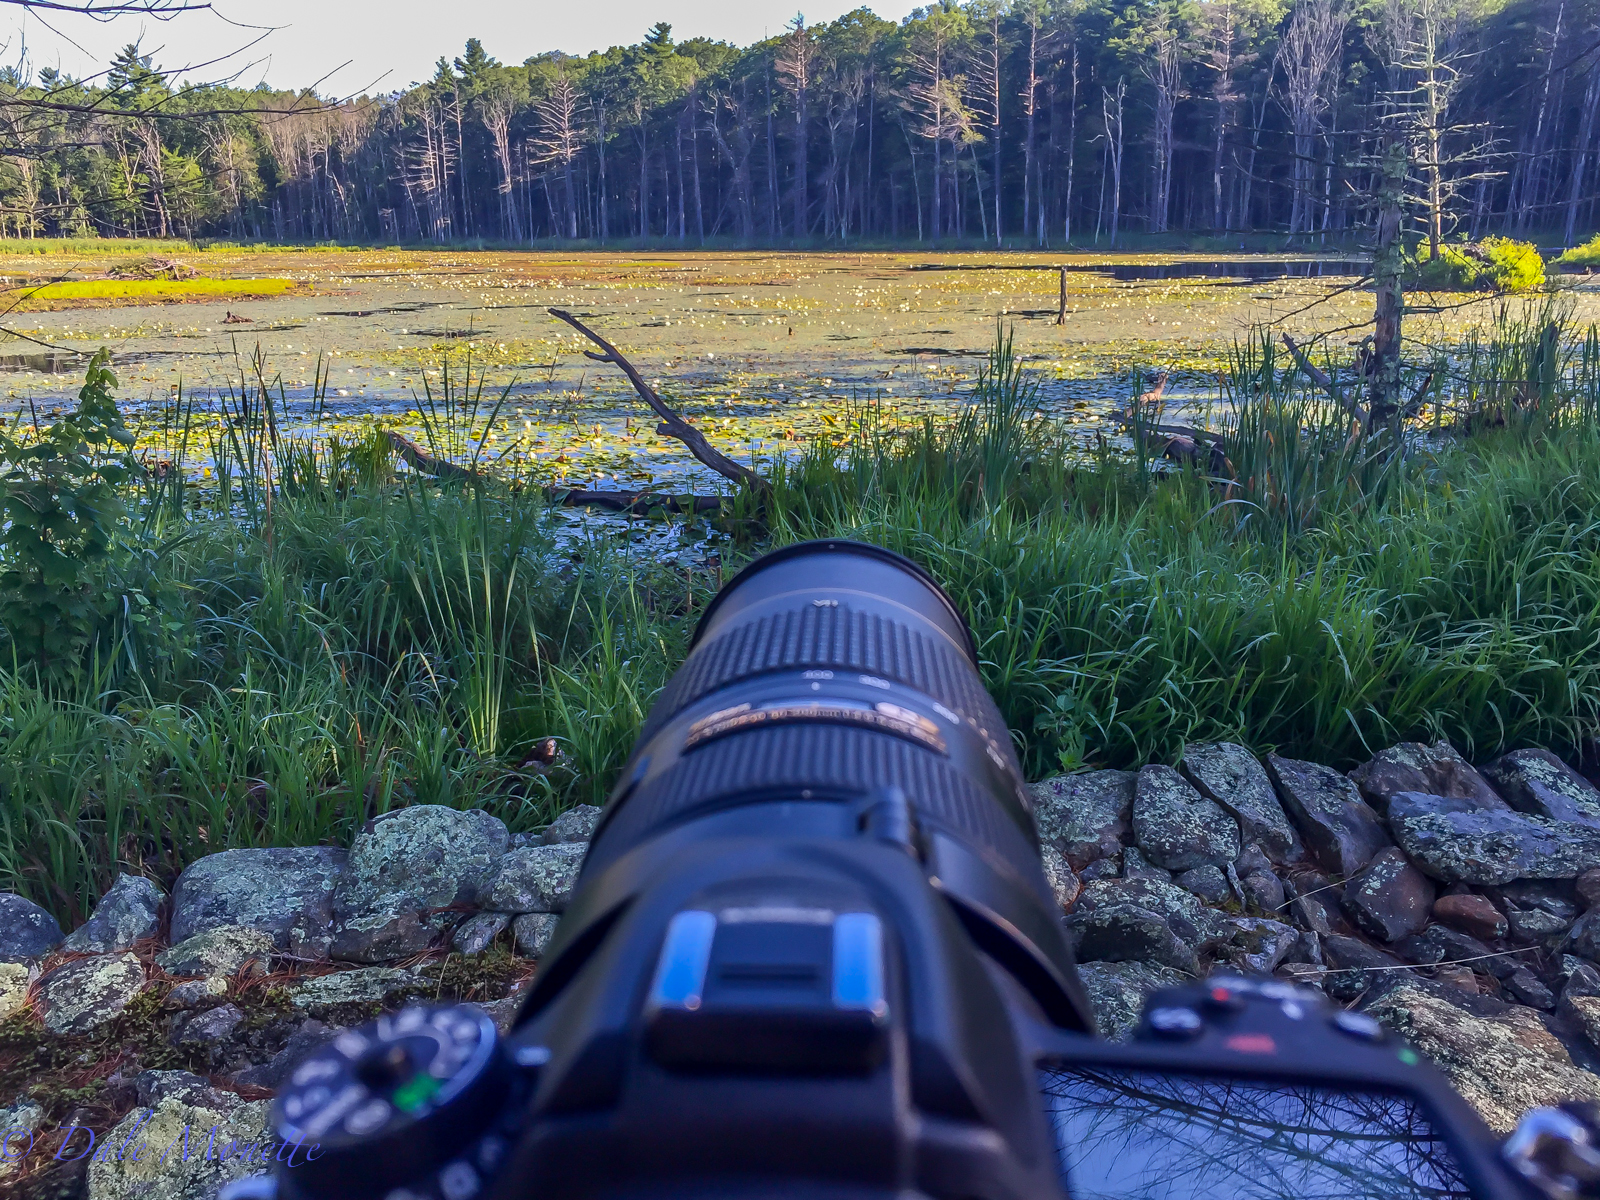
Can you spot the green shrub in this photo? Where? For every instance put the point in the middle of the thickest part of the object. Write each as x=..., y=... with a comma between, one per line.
x=1586, y=255
x=1495, y=264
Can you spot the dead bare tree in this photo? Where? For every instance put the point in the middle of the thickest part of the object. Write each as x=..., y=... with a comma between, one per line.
x=1163, y=67
x=1308, y=60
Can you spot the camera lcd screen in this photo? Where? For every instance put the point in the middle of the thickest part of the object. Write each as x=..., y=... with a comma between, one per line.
x=1128, y=1135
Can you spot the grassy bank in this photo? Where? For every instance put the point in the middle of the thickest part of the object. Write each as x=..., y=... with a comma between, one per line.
x=277, y=663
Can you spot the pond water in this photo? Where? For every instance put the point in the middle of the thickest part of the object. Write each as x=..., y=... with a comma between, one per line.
x=762, y=350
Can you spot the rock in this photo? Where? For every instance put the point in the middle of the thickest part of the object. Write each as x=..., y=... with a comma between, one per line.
x=1581, y=977
x=19, y=1122
x=220, y=951
x=1117, y=992
x=403, y=869
x=1308, y=913
x=536, y=879
x=1584, y=1012
x=1455, y=842
x=504, y=1011
x=27, y=932
x=147, y=1158
x=533, y=932
x=574, y=825
x=89, y=993
x=1463, y=979
x=1528, y=988
x=1388, y=898
x=196, y=991
x=1587, y=888
x=286, y=892
x=1441, y=944
x=1103, y=868
x=1206, y=882
x=1189, y=919
x=1536, y=909
x=156, y=1087
x=1306, y=975
x=1084, y=816
x=129, y=912
x=311, y=1036
x=1255, y=944
x=1263, y=891
x=1178, y=828
x=15, y=980
x=383, y=986
x=1358, y=968
x=1252, y=861
x=1137, y=866
x=1307, y=949
x=212, y=1025
x=1537, y=782
x=1064, y=885
x=1502, y=1064
x=1471, y=915
x=1123, y=933
x=1340, y=829
x=1230, y=775
x=1435, y=770
x=474, y=935
x=1584, y=937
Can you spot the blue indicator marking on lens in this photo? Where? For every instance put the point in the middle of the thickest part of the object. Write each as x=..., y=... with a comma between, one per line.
x=858, y=963
x=681, y=973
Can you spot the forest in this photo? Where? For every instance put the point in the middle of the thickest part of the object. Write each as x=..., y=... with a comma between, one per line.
x=1011, y=123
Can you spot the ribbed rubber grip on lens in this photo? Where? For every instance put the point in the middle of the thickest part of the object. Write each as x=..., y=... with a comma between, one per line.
x=832, y=639
x=827, y=760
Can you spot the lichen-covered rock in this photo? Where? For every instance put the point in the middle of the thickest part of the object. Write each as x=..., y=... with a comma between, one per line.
x=1064, y=882
x=1178, y=828
x=89, y=993
x=1140, y=920
x=285, y=892
x=220, y=951
x=1389, y=898
x=1584, y=1011
x=1357, y=968
x=1136, y=866
x=19, y=1122
x=1207, y=882
x=405, y=867
x=1263, y=891
x=27, y=932
x=130, y=911
x=15, y=979
x=1537, y=782
x=1190, y=919
x=474, y=935
x=536, y=879
x=193, y=992
x=1340, y=828
x=1527, y=987
x=310, y=1037
x=1457, y=841
x=1412, y=767
x=1117, y=992
x=1230, y=775
x=212, y=1025
x=1441, y=944
x=1255, y=944
x=1536, y=909
x=1501, y=1058
x=1584, y=937
x=575, y=825
x=323, y=994
x=533, y=931
x=1472, y=915
x=1084, y=816
x=145, y=1159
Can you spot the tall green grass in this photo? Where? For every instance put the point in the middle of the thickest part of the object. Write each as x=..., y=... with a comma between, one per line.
x=324, y=639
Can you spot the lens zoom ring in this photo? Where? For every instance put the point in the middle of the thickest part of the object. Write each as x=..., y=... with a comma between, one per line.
x=831, y=639
x=828, y=759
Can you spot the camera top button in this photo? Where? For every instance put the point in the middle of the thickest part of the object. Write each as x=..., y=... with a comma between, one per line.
x=1358, y=1025
x=1222, y=999
x=1175, y=1022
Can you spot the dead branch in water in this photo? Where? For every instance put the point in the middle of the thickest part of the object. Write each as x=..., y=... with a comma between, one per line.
x=1323, y=381
x=672, y=425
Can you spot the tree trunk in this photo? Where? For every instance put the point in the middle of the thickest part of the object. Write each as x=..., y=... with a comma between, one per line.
x=1388, y=259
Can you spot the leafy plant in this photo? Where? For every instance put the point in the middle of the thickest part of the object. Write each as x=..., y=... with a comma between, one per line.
x=59, y=492
x=1494, y=264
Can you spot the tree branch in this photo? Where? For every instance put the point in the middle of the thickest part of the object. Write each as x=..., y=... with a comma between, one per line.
x=672, y=425
x=1320, y=377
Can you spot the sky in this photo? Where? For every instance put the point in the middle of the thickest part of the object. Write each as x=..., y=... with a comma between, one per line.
x=347, y=47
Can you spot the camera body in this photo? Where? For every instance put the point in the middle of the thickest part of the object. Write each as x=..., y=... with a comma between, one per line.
x=813, y=952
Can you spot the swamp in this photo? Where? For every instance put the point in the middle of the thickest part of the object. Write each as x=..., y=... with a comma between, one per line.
x=244, y=619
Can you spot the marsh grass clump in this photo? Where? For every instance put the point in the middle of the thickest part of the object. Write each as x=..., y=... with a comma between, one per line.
x=323, y=635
